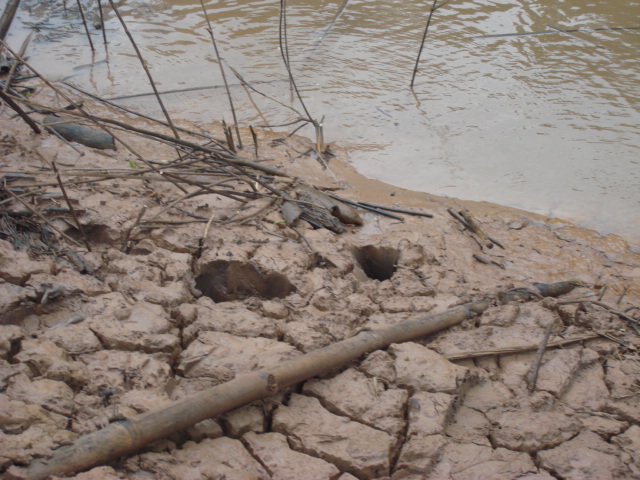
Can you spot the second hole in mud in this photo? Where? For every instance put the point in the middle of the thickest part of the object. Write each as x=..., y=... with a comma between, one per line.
x=225, y=281
x=378, y=263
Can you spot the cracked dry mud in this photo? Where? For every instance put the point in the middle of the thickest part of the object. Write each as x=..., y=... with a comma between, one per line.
x=81, y=350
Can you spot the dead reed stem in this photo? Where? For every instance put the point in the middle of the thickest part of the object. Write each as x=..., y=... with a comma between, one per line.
x=284, y=51
x=86, y=28
x=424, y=38
x=71, y=209
x=14, y=65
x=224, y=76
x=146, y=69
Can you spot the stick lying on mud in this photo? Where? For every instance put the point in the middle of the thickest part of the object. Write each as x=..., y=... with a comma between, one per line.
x=126, y=436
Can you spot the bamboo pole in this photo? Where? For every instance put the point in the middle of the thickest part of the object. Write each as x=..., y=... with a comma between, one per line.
x=129, y=435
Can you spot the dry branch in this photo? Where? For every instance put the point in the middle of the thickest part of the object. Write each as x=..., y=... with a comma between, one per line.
x=126, y=436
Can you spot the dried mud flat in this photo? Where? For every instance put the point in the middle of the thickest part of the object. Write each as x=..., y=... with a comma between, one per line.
x=91, y=338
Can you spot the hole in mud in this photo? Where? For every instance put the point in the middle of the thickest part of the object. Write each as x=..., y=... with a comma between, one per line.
x=378, y=263
x=97, y=233
x=224, y=281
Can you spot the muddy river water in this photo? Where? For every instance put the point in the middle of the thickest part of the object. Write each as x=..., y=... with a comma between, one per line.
x=533, y=105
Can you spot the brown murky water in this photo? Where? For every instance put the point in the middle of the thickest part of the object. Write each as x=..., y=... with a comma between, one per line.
x=547, y=122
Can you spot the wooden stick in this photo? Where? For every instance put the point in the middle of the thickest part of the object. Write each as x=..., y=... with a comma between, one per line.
x=126, y=436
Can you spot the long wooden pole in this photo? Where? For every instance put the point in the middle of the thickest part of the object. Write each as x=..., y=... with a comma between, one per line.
x=127, y=436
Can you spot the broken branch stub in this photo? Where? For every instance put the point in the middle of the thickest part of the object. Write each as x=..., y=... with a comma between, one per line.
x=126, y=436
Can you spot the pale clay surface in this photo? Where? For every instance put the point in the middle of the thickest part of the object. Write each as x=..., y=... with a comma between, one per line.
x=401, y=413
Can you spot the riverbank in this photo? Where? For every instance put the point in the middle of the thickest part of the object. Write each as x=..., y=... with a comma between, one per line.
x=91, y=338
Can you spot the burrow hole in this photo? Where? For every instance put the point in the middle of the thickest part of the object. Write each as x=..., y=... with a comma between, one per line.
x=378, y=263
x=225, y=281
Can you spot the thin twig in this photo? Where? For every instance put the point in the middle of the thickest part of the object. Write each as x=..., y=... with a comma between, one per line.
x=126, y=244
x=624, y=292
x=71, y=209
x=602, y=292
x=517, y=349
x=248, y=85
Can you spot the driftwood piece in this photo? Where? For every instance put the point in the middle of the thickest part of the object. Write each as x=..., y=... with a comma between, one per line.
x=126, y=436
x=291, y=212
x=74, y=132
x=558, y=288
x=338, y=209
